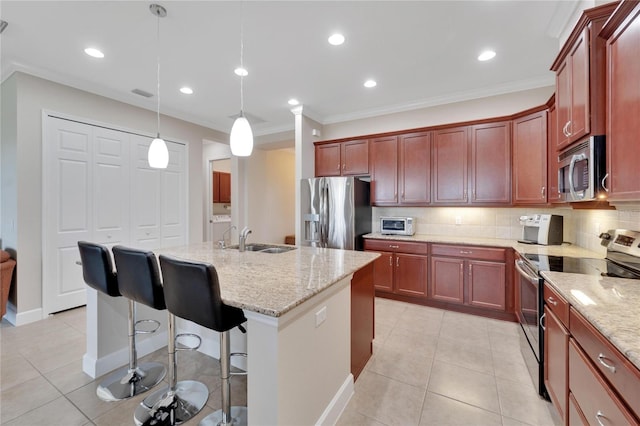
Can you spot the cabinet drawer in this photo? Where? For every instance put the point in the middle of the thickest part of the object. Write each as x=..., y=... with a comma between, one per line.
x=396, y=246
x=556, y=304
x=624, y=376
x=592, y=394
x=470, y=252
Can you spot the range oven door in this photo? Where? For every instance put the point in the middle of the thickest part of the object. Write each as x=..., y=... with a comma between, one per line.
x=529, y=312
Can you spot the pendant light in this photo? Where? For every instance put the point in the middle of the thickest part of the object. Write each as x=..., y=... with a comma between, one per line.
x=241, y=137
x=158, y=155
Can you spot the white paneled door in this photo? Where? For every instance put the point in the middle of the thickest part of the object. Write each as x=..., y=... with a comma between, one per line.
x=98, y=187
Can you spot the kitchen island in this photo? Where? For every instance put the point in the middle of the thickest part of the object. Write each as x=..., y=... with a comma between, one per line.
x=298, y=307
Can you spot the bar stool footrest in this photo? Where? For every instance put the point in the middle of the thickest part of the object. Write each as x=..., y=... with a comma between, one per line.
x=146, y=321
x=238, y=417
x=183, y=347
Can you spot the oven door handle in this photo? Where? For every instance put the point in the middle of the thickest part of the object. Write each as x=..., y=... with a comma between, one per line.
x=572, y=165
x=540, y=322
x=519, y=264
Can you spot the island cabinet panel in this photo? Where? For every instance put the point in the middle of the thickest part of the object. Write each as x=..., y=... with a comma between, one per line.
x=580, y=79
x=530, y=159
x=384, y=171
x=623, y=105
x=450, y=166
x=402, y=267
x=491, y=163
x=362, y=318
x=414, y=169
x=346, y=158
x=592, y=394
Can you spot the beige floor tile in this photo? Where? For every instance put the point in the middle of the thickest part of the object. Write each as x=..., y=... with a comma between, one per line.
x=511, y=367
x=464, y=354
x=411, y=342
x=76, y=318
x=25, y=397
x=506, y=421
x=15, y=369
x=386, y=400
x=122, y=413
x=502, y=327
x=442, y=411
x=68, y=377
x=507, y=344
x=57, y=412
x=462, y=384
x=87, y=401
x=406, y=366
x=57, y=351
x=522, y=403
x=350, y=417
x=382, y=331
x=418, y=324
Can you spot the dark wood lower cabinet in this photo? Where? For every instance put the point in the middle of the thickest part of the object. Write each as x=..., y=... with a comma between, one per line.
x=411, y=274
x=556, y=362
x=362, y=318
x=447, y=280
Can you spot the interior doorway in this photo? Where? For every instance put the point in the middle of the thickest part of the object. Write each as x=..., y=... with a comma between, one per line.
x=219, y=199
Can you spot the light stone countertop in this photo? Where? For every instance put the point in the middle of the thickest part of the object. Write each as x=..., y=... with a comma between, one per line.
x=562, y=250
x=609, y=304
x=269, y=283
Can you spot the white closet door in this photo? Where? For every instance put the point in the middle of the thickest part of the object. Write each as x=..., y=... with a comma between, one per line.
x=145, y=197
x=67, y=186
x=174, y=198
x=110, y=187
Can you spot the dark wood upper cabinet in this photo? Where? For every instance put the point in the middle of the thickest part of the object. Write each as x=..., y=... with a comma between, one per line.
x=491, y=163
x=580, y=79
x=450, y=165
x=221, y=187
x=530, y=159
x=342, y=158
x=623, y=103
x=384, y=171
x=414, y=170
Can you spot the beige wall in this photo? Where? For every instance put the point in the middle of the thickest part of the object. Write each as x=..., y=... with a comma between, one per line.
x=22, y=188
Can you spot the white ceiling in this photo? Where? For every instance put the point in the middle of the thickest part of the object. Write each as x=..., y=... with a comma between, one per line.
x=421, y=53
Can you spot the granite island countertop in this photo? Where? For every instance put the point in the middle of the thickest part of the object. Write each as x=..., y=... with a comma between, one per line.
x=561, y=250
x=273, y=284
x=609, y=304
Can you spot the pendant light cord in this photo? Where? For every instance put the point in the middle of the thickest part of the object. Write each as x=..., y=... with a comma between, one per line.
x=158, y=72
x=241, y=58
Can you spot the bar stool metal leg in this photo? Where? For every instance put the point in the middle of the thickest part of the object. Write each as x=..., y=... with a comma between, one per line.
x=177, y=403
x=134, y=379
x=227, y=415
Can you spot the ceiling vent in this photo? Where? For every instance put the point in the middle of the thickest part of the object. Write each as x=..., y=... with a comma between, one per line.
x=252, y=118
x=142, y=93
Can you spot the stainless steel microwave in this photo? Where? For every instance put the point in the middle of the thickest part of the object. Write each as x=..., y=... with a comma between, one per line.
x=397, y=225
x=582, y=171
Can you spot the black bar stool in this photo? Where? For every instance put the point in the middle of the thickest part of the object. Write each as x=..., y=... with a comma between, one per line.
x=192, y=292
x=135, y=379
x=181, y=400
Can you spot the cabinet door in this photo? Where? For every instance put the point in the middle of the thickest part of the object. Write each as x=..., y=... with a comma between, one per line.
x=414, y=181
x=556, y=368
x=487, y=284
x=383, y=272
x=355, y=157
x=450, y=153
x=530, y=159
x=216, y=187
x=411, y=274
x=447, y=280
x=563, y=104
x=579, y=121
x=384, y=171
x=623, y=109
x=328, y=160
x=225, y=187
x=491, y=163
x=553, y=194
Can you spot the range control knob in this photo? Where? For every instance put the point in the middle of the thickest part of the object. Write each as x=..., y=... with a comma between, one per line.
x=605, y=237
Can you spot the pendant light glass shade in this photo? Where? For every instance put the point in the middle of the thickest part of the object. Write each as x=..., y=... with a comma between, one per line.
x=241, y=139
x=158, y=155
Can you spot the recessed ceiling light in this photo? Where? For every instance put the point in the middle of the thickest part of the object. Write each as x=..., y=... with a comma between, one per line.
x=93, y=52
x=336, y=39
x=370, y=83
x=486, y=55
x=242, y=72
x=293, y=102
x=186, y=90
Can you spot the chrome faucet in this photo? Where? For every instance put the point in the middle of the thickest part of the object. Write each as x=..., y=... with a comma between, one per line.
x=243, y=237
x=223, y=242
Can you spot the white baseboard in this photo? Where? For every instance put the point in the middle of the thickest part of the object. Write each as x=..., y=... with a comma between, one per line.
x=97, y=367
x=337, y=405
x=22, y=318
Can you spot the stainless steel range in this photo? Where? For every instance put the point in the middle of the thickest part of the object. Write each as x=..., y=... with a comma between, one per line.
x=622, y=261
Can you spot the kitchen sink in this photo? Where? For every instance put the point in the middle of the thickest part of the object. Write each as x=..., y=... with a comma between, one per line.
x=264, y=248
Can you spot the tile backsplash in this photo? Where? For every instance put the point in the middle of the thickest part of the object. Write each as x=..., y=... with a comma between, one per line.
x=581, y=227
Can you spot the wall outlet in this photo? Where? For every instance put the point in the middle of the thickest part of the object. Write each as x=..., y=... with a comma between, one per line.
x=321, y=316
x=458, y=220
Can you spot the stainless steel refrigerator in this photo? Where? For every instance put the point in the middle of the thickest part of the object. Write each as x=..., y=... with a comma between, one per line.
x=336, y=212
